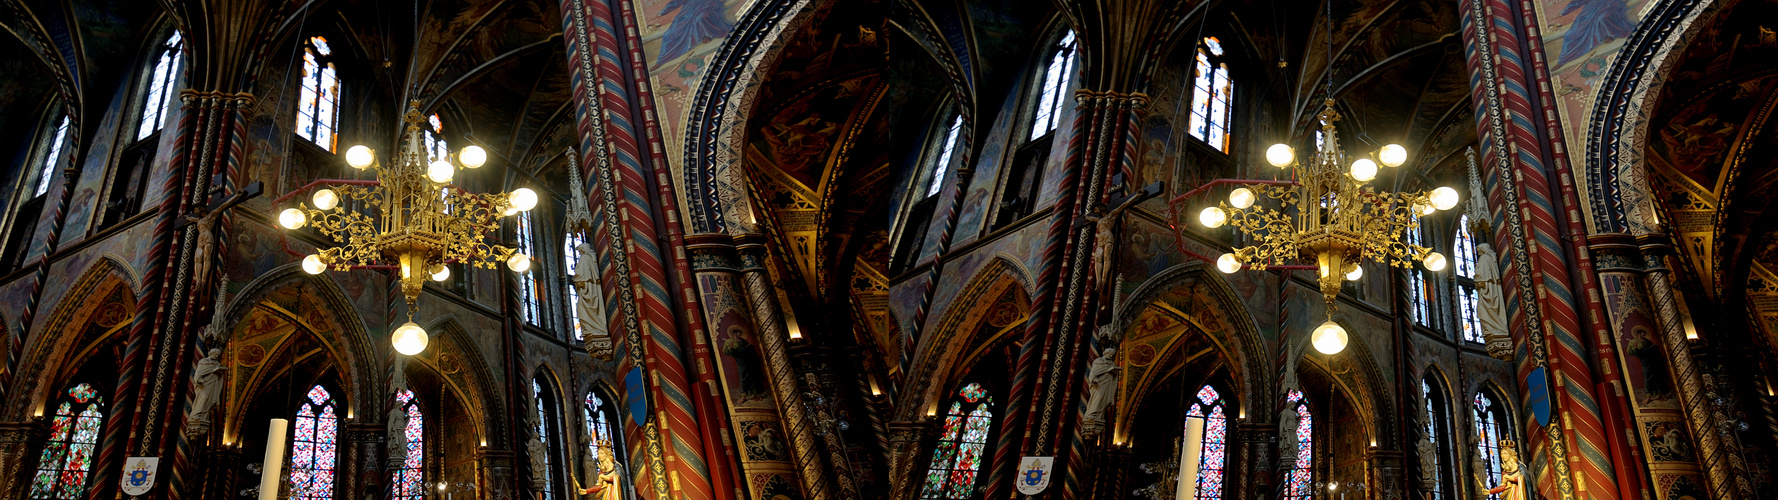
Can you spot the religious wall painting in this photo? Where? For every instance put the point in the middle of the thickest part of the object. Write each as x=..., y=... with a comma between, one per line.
x=255, y=249
x=1679, y=487
x=764, y=440
x=1640, y=346
x=1582, y=38
x=776, y=486
x=1158, y=343
x=743, y=366
x=982, y=185
x=904, y=297
x=1668, y=441
x=1696, y=138
x=1147, y=249
x=1155, y=163
x=799, y=136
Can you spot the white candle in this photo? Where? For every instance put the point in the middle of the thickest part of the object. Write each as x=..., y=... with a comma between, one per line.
x=274, y=459
x=1189, y=455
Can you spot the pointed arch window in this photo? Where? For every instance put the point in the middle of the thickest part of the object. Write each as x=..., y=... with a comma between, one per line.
x=599, y=427
x=941, y=165
x=52, y=156
x=571, y=242
x=1438, y=432
x=1297, y=484
x=409, y=481
x=529, y=295
x=547, y=431
x=313, y=451
x=1210, y=407
x=1420, y=289
x=1053, y=93
x=1464, y=248
x=1490, y=428
x=956, y=461
x=1211, y=89
x=159, y=93
x=67, y=457
x=317, y=109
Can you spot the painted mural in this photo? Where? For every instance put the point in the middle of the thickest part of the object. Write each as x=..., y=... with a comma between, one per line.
x=1583, y=36
x=1695, y=139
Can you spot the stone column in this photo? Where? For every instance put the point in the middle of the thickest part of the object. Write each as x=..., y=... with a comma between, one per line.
x=905, y=442
x=19, y=446
x=360, y=470
x=1722, y=462
x=1250, y=461
x=1109, y=479
x=221, y=466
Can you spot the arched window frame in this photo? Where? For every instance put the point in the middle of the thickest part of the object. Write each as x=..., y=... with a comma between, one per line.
x=940, y=165
x=1212, y=95
x=956, y=461
x=1491, y=426
x=1422, y=289
x=603, y=427
x=317, y=108
x=158, y=90
x=314, y=450
x=549, y=429
x=942, y=143
x=1053, y=81
x=408, y=482
x=1299, y=481
x=1438, y=428
x=530, y=296
x=51, y=152
x=1463, y=249
x=64, y=466
x=1207, y=404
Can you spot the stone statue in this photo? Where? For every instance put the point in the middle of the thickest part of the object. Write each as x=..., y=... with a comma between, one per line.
x=206, y=391
x=397, y=434
x=1512, y=475
x=1480, y=467
x=1102, y=378
x=536, y=453
x=591, y=308
x=606, y=478
x=1105, y=245
x=1428, y=455
x=1287, y=426
x=1490, y=306
x=204, y=256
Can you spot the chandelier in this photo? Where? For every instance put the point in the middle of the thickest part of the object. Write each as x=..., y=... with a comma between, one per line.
x=1329, y=216
x=410, y=220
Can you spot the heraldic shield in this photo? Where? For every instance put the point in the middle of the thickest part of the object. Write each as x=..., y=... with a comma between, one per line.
x=1034, y=474
x=138, y=474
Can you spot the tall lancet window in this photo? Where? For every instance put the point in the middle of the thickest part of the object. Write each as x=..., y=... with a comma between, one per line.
x=1297, y=484
x=1464, y=248
x=1490, y=428
x=1211, y=89
x=1438, y=433
x=52, y=156
x=1052, y=94
x=599, y=427
x=1419, y=288
x=1209, y=406
x=941, y=165
x=547, y=431
x=73, y=439
x=529, y=295
x=158, y=95
x=409, y=481
x=313, y=452
x=317, y=108
x=436, y=149
x=957, y=459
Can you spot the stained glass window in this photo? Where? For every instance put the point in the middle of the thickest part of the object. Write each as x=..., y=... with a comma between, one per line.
x=598, y=426
x=1436, y=433
x=409, y=481
x=1420, y=289
x=942, y=164
x=1210, y=96
x=957, y=459
x=1464, y=248
x=436, y=148
x=313, y=451
x=317, y=110
x=1054, y=92
x=73, y=438
x=159, y=94
x=546, y=427
x=52, y=156
x=529, y=295
x=1490, y=427
x=1297, y=483
x=1209, y=406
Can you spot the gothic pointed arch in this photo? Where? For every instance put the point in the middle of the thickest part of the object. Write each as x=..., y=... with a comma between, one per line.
x=99, y=305
x=1170, y=318
x=992, y=306
x=454, y=354
x=286, y=313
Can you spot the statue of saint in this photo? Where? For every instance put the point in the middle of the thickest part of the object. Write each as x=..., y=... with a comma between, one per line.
x=606, y=479
x=589, y=310
x=204, y=255
x=397, y=433
x=1105, y=246
x=1490, y=308
x=1101, y=387
x=206, y=391
x=1512, y=475
x=536, y=453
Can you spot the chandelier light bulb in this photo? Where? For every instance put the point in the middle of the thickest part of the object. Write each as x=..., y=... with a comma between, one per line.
x=313, y=264
x=1364, y=170
x=441, y=272
x=359, y=156
x=518, y=262
x=292, y=218
x=523, y=199
x=1241, y=198
x=1434, y=261
x=441, y=171
x=410, y=339
x=1354, y=272
x=1213, y=217
x=1444, y=198
x=1423, y=209
x=1280, y=155
x=1329, y=338
x=1228, y=264
x=325, y=199
x=472, y=156
x=1393, y=155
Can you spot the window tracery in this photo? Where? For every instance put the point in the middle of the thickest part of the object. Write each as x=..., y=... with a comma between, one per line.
x=317, y=109
x=408, y=481
x=67, y=457
x=1437, y=435
x=1211, y=89
x=1464, y=250
x=942, y=164
x=956, y=460
x=546, y=417
x=1053, y=93
x=313, y=449
x=1420, y=289
x=599, y=427
x=52, y=156
x=159, y=95
x=1490, y=428
x=1210, y=407
x=529, y=295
